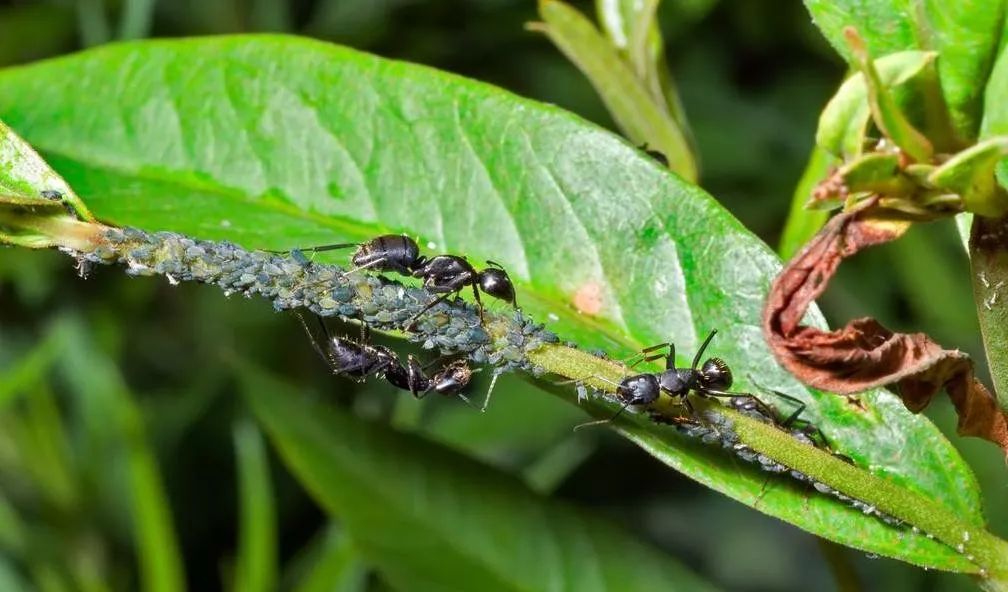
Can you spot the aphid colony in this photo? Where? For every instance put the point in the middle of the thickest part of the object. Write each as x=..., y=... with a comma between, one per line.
x=446, y=275
x=293, y=283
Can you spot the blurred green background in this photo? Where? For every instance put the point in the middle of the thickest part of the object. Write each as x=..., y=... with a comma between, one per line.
x=753, y=76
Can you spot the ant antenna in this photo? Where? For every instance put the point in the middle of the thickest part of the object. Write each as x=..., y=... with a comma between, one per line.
x=602, y=421
x=699, y=353
x=314, y=341
x=590, y=376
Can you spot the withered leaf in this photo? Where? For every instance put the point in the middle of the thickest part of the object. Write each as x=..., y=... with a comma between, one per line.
x=864, y=354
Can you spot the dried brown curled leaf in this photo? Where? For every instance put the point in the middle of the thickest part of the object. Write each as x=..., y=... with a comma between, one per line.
x=864, y=354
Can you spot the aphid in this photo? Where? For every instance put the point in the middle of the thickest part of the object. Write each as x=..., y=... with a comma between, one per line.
x=359, y=360
x=54, y=195
x=658, y=155
x=441, y=274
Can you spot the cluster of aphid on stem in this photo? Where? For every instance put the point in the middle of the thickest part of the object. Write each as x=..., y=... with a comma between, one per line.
x=446, y=275
x=456, y=328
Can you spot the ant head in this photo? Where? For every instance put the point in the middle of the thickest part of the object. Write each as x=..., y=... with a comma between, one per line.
x=453, y=378
x=496, y=282
x=715, y=374
x=640, y=389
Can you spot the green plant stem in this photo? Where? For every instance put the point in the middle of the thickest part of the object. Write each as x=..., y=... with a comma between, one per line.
x=987, y=552
x=30, y=229
x=988, y=247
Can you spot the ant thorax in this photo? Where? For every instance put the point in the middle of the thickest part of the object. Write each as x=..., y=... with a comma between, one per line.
x=678, y=382
x=447, y=269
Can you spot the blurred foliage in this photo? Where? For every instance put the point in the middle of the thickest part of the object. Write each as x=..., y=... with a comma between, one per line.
x=753, y=77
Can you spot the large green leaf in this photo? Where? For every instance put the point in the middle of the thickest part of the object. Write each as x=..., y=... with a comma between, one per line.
x=114, y=441
x=966, y=34
x=255, y=567
x=432, y=519
x=276, y=142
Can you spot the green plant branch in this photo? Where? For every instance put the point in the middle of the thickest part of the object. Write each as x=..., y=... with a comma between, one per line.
x=504, y=342
x=986, y=551
x=988, y=247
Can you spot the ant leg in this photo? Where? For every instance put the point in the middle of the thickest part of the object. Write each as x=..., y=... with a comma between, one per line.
x=643, y=354
x=687, y=405
x=645, y=359
x=590, y=376
x=764, y=489
x=412, y=369
x=413, y=319
x=800, y=407
x=602, y=421
x=726, y=394
x=479, y=303
x=797, y=402
x=486, y=400
x=699, y=353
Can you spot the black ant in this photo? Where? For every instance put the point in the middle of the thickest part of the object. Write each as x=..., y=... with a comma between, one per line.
x=441, y=274
x=712, y=379
x=359, y=360
x=449, y=274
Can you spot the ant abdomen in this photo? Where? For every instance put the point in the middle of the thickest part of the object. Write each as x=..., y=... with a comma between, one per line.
x=389, y=252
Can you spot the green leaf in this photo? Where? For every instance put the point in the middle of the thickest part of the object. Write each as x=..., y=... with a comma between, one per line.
x=431, y=519
x=256, y=566
x=632, y=27
x=886, y=112
x=11, y=578
x=45, y=446
x=970, y=174
x=29, y=371
x=344, y=146
x=966, y=35
x=843, y=124
x=13, y=533
x=335, y=565
x=642, y=119
x=107, y=408
x=24, y=175
x=802, y=223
